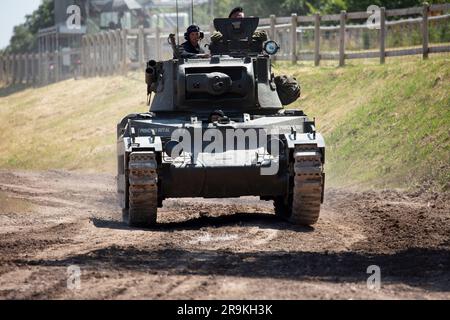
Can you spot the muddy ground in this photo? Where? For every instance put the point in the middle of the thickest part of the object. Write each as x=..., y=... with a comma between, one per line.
x=216, y=249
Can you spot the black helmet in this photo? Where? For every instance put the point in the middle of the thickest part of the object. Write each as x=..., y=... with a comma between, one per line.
x=235, y=10
x=193, y=28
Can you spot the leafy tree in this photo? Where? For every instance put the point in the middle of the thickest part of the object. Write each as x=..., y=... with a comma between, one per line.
x=264, y=8
x=22, y=40
x=25, y=35
x=362, y=5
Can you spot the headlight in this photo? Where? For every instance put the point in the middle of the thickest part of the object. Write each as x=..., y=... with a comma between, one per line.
x=271, y=47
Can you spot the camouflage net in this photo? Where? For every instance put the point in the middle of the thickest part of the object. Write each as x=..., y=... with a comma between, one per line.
x=288, y=89
x=258, y=35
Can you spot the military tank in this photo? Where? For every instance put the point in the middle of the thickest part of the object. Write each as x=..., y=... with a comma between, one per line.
x=218, y=128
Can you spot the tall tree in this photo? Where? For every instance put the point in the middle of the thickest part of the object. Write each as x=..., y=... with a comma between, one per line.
x=25, y=35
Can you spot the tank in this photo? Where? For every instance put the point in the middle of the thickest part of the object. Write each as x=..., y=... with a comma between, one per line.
x=217, y=128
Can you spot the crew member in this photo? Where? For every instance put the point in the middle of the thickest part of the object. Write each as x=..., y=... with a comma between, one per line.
x=191, y=48
x=238, y=13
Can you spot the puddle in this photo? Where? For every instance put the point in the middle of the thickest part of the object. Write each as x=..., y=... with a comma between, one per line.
x=10, y=204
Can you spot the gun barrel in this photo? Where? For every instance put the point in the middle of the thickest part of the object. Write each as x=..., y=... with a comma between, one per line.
x=173, y=44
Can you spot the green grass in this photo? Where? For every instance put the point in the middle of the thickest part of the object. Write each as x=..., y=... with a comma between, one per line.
x=385, y=126
x=69, y=125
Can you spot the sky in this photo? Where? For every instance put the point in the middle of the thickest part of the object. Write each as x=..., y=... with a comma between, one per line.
x=12, y=13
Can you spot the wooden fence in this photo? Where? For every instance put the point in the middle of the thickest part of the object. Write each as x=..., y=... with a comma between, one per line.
x=285, y=25
x=118, y=51
x=36, y=69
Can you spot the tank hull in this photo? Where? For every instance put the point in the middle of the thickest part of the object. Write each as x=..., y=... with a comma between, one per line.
x=236, y=169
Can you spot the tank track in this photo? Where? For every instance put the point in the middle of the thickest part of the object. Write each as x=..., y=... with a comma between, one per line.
x=143, y=189
x=305, y=197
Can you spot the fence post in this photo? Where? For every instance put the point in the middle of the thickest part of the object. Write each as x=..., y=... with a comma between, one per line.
x=382, y=35
x=2, y=69
x=124, y=52
x=20, y=67
x=14, y=69
x=7, y=69
x=26, y=74
x=105, y=56
x=28, y=67
x=95, y=67
x=33, y=70
x=57, y=66
x=87, y=63
x=6, y=76
x=88, y=58
x=15, y=64
x=102, y=62
x=342, y=39
x=114, y=52
x=118, y=48
x=158, y=43
x=83, y=54
x=317, y=39
x=44, y=68
x=30, y=73
x=99, y=54
x=117, y=52
x=106, y=53
x=273, y=31
x=12, y=66
x=109, y=53
x=426, y=9
x=39, y=71
x=141, y=46
x=36, y=70
x=98, y=43
x=93, y=53
x=11, y=69
x=294, y=38
x=273, y=22
x=25, y=68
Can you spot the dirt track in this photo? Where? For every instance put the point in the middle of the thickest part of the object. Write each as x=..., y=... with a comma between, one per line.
x=216, y=249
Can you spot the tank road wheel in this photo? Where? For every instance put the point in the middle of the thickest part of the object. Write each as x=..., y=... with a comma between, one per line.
x=302, y=205
x=143, y=190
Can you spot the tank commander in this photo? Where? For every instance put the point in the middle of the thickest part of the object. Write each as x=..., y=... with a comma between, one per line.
x=191, y=47
x=238, y=13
